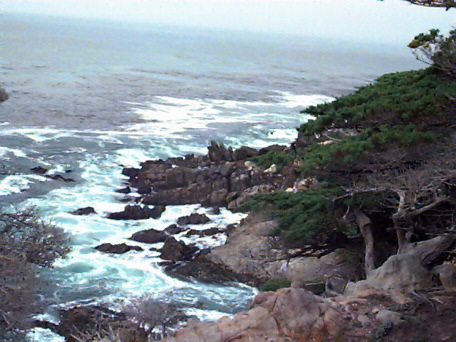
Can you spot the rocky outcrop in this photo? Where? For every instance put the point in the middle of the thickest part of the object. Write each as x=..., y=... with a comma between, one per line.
x=286, y=315
x=174, y=229
x=84, y=211
x=136, y=212
x=194, y=218
x=217, y=179
x=149, y=236
x=205, y=232
x=3, y=95
x=117, y=249
x=174, y=250
x=253, y=256
x=403, y=273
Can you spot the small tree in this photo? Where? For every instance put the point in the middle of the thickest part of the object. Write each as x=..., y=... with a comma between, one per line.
x=436, y=50
x=26, y=244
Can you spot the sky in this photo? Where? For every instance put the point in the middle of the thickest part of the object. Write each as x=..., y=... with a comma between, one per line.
x=383, y=21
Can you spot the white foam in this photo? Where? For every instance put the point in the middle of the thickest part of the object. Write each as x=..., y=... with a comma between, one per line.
x=14, y=184
x=5, y=151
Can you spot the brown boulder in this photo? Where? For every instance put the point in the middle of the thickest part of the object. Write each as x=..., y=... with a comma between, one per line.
x=286, y=315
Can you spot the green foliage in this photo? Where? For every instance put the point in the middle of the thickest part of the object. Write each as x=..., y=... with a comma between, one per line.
x=394, y=99
x=279, y=158
x=306, y=217
x=348, y=151
x=275, y=284
x=435, y=49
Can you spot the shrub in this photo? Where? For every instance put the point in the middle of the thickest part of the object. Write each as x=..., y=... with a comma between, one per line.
x=304, y=218
x=26, y=244
x=275, y=284
x=279, y=158
x=403, y=98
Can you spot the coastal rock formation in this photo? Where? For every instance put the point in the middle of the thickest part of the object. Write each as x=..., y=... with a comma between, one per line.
x=405, y=272
x=136, y=212
x=84, y=211
x=253, y=256
x=193, y=219
x=117, y=249
x=219, y=179
x=174, y=250
x=289, y=314
x=149, y=236
x=3, y=95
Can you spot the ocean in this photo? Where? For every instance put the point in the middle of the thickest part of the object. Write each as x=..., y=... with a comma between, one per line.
x=88, y=98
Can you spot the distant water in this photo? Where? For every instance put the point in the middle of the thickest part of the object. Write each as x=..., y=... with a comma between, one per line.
x=88, y=98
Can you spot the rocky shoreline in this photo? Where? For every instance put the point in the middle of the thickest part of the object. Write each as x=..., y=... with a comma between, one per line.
x=326, y=298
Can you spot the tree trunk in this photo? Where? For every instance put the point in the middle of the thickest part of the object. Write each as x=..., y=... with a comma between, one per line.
x=365, y=226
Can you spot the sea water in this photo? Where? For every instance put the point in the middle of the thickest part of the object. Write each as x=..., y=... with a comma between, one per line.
x=88, y=98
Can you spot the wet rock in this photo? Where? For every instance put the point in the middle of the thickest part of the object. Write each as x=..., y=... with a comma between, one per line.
x=84, y=211
x=39, y=170
x=215, y=211
x=204, y=232
x=3, y=95
x=176, y=250
x=194, y=218
x=60, y=177
x=117, y=249
x=130, y=172
x=125, y=190
x=202, y=269
x=136, y=212
x=149, y=236
x=174, y=229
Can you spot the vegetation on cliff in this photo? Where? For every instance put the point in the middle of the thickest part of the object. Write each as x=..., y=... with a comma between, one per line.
x=385, y=163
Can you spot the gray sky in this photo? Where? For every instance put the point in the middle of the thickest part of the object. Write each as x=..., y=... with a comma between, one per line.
x=382, y=21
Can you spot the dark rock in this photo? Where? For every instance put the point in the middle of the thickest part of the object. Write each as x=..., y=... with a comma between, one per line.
x=245, y=152
x=59, y=177
x=3, y=95
x=130, y=172
x=205, y=232
x=136, y=212
x=204, y=270
x=39, y=170
x=149, y=236
x=125, y=190
x=176, y=250
x=226, y=169
x=215, y=211
x=193, y=219
x=117, y=249
x=84, y=211
x=144, y=189
x=276, y=148
x=219, y=153
x=174, y=229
